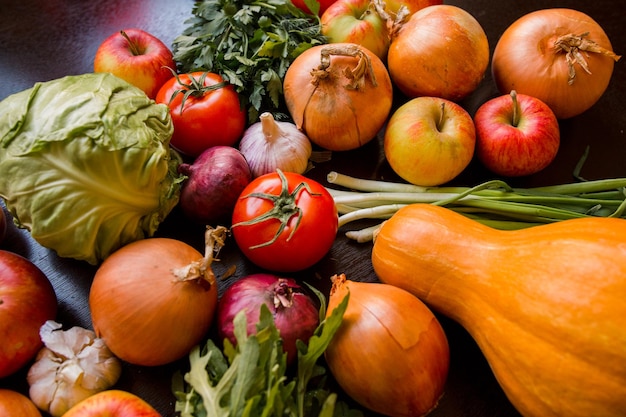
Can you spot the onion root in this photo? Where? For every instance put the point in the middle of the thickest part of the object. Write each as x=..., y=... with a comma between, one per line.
x=574, y=46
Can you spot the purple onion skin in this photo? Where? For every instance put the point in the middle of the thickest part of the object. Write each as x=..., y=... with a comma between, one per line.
x=294, y=322
x=215, y=180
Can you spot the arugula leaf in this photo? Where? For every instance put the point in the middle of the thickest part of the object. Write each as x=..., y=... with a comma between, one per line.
x=308, y=355
x=250, y=43
x=251, y=379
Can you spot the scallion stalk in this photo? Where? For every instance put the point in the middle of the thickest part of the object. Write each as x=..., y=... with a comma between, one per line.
x=493, y=203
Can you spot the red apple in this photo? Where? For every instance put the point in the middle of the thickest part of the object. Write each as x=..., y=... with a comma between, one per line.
x=112, y=403
x=412, y=5
x=429, y=140
x=516, y=135
x=27, y=300
x=356, y=21
x=15, y=404
x=324, y=4
x=137, y=57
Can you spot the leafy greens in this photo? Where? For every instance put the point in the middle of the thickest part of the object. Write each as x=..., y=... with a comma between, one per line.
x=250, y=43
x=252, y=378
x=85, y=164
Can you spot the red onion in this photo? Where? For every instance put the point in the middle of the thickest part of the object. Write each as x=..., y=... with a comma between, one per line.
x=215, y=180
x=296, y=315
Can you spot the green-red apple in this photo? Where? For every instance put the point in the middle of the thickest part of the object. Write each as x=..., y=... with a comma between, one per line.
x=412, y=5
x=429, y=140
x=138, y=57
x=516, y=135
x=356, y=21
x=112, y=403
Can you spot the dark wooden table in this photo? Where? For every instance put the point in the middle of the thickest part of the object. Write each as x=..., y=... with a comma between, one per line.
x=46, y=39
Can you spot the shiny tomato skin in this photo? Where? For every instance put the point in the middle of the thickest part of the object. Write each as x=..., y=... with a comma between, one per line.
x=215, y=118
x=312, y=238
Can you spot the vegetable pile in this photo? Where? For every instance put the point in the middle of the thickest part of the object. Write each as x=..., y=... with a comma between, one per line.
x=91, y=166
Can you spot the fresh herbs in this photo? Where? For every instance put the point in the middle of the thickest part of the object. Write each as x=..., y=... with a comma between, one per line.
x=252, y=378
x=250, y=43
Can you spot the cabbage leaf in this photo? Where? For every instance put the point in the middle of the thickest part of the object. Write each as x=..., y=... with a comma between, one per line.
x=85, y=164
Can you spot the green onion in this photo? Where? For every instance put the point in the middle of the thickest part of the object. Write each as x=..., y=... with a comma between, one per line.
x=493, y=203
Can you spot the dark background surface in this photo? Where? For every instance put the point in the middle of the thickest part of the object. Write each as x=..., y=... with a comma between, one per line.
x=48, y=39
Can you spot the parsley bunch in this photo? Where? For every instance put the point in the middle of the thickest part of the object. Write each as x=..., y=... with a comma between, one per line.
x=250, y=43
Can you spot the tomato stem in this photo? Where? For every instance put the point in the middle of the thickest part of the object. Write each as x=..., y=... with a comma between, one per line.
x=195, y=88
x=285, y=207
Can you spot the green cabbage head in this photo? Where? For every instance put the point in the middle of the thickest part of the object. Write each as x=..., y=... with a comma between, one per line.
x=85, y=164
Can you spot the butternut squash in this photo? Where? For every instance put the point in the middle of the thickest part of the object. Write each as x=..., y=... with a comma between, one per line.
x=546, y=305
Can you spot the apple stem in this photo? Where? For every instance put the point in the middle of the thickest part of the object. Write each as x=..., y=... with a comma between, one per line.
x=441, y=117
x=516, y=109
x=134, y=49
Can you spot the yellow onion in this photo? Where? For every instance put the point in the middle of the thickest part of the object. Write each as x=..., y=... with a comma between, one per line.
x=339, y=95
x=390, y=354
x=153, y=300
x=561, y=56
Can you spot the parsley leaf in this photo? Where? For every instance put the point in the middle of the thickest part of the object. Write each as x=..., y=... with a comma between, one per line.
x=250, y=43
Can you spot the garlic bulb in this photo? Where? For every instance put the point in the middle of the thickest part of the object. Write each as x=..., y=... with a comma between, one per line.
x=269, y=145
x=72, y=366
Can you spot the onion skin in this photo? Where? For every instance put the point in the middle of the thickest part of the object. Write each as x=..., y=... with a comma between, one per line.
x=441, y=51
x=333, y=116
x=215, y=180
x=402, y=367
x=295, y=321
x=144, y=313
x=524, y=60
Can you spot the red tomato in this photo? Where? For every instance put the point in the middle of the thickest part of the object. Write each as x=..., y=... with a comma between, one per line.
x=210, y=115
x=284, y=222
